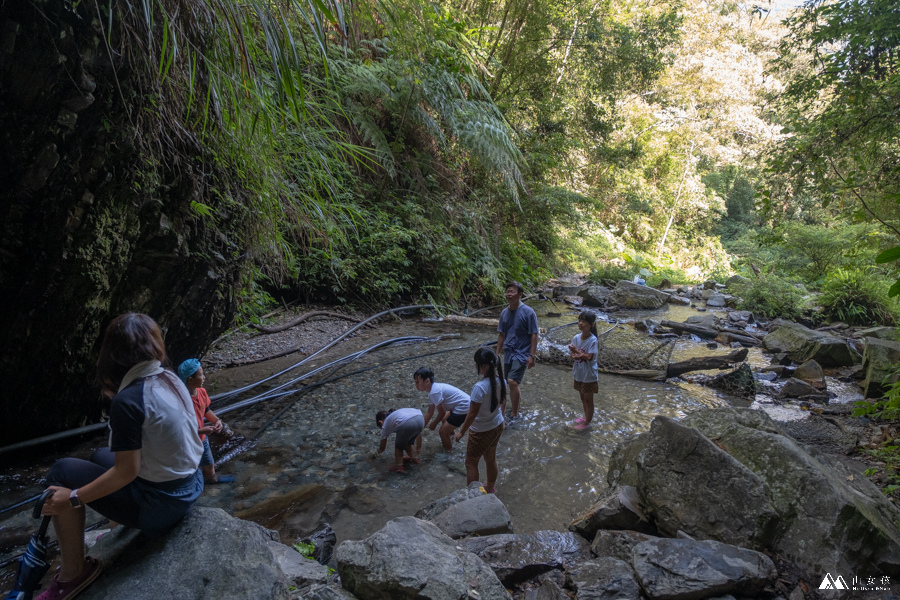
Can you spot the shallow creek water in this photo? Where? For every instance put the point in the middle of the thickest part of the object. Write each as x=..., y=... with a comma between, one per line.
x=312, y=464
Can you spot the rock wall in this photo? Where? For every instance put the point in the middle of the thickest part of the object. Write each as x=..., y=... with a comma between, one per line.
x=95, y=215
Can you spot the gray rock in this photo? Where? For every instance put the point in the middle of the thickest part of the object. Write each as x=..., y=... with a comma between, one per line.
x=411, y=559
x=618, y=508
x=794, y=388
x=617, y=544
x=632, y=295
x=680, y=569
x=438, y=506
x=882, y=333
x=880, y=359
x=716, y=301
x=709, y=321
x=830, y=519
x=603, y=579
x=573, y=300
x=299, y=570
x=482, y=515
x=687, y=483
x=811, y=372
x=187, y=563
x=567, y=290
x=517, y=557
x=548, y=590
x=322, y=592
x=802, y=344
x=679, y=300
x=595, y=295
x=740, y=315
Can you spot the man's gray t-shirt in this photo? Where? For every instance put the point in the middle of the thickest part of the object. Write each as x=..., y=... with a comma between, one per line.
x=518, y=326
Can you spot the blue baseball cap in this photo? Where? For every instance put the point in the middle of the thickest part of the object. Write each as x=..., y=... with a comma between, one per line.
x=188, y=368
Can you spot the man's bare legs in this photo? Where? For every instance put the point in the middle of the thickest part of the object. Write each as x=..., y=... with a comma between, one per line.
x=514, y=396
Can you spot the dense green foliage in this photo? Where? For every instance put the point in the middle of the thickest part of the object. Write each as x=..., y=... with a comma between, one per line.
x=770, y=296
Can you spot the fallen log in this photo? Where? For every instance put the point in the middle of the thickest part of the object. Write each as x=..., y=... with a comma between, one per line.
x=705, y=363
x=300, y=319
x=697, y=330
x=646, y=374
x=469, y=321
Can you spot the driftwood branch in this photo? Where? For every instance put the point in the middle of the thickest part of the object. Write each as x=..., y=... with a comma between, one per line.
x=697, y=330
x=705, y=363
x=300, y=319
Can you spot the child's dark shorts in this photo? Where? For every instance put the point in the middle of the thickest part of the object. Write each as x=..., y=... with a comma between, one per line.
x=515, y=370
x=587, y=387
x=456, y=420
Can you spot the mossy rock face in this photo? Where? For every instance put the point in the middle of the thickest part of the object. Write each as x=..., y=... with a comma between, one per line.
x=91, y=224
x=880, y=360
x=803, y=344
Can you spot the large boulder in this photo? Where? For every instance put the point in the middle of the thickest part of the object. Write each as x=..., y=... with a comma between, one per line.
x=209, y=554
x=633, y=295
x=736, y=280
x=880, y=360
x=595, y=295
x=617, y=508
x=680, y=569
x=687, y=483
x=481, y=515
x=603, y=579
x=811, y=372
x=829, y=519
x=432, y=510
x=617, y=544
x=802, y=344
x=411, y=559
x=517, y=557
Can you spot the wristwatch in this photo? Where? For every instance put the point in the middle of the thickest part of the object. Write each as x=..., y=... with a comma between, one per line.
x=74, y=500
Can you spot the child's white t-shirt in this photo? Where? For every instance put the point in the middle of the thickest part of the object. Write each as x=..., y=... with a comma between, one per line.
x=454, y=400
x=585, y=371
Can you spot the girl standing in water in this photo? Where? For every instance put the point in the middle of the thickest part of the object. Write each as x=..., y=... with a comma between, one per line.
x=583, y=350
x=485, y=418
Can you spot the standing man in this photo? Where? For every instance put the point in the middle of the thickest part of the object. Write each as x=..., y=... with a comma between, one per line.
x=517, y=340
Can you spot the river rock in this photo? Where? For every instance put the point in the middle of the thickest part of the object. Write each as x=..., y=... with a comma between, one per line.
x=681, y=569
x=795, y=388
x=432, y=510
x=880, y=359
x=617, y=544
x=595, y=295
x=679, y=300
x=687, y=483
x=481, y=515
x=322, y=592
x=209, y=554
x=710, y=321
x=300, y=571
x=829, y=518
x=882, y=333
x=632, y=295
x=411, y=559
x=517, y=557
x=567, y=290
x=739, y=316
x=716, y=301
x=811, y=372
x=618, y=508
x=802, y=344
x=603, y=579
x=548, y=590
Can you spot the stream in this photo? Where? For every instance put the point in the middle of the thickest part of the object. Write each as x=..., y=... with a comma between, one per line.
x=312, y=464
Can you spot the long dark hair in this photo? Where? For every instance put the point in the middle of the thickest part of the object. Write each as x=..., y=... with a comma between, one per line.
x=589, y=318
x=129, y=339
x=485, y=356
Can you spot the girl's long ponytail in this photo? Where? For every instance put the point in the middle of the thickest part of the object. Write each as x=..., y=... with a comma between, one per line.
x=486, y=356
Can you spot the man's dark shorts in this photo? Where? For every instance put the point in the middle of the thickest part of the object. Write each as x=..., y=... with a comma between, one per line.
x=515, y=370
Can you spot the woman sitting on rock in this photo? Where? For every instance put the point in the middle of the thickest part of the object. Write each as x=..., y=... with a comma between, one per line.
x=148, y=477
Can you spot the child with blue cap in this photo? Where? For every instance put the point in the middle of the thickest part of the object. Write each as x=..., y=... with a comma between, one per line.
x=191, y=373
